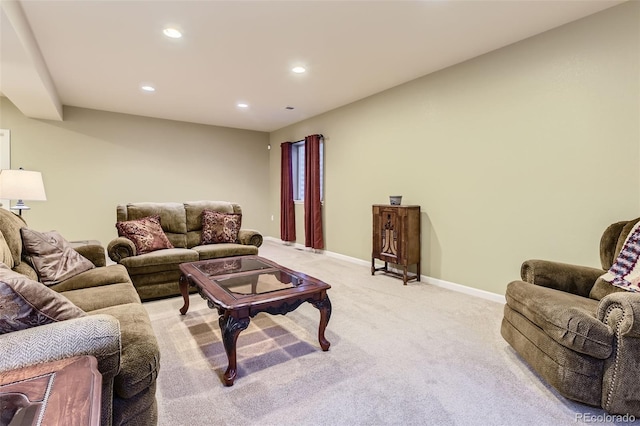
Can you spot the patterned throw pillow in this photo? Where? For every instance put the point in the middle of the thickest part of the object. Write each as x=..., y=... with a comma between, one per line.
x=220, y=227
x=145, y=233
x=25, y=303
x=625, y=271
x=52, y=256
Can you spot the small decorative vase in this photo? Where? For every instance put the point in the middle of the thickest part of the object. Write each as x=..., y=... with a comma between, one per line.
x=395, y=200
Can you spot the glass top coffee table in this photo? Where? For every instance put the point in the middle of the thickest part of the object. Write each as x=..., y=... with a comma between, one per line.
x=241, y=287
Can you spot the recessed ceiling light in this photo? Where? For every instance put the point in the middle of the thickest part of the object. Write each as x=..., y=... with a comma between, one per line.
x=241, y=105
x=148, y=88
x=298, y=70
x=172, y=33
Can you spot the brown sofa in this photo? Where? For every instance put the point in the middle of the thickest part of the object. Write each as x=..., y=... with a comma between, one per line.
x=156, y=274
x=116, y=329
x=578, y=332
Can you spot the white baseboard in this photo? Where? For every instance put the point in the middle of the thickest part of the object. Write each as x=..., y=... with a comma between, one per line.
x=494, y=297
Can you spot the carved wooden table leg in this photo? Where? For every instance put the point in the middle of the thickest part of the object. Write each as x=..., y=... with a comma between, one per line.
x=231, y=328
x=184, y=290
x=324, y=306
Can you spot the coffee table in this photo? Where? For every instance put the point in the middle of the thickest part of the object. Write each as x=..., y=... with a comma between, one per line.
x=241, y=287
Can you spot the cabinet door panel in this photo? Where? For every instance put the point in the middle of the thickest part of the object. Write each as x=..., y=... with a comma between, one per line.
x=389, y=227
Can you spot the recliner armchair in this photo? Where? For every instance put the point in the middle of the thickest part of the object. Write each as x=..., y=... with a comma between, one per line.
x=578, y=332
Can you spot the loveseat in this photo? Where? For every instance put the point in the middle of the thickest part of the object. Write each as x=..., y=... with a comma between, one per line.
x=579, y=332
x=110, y=324
x=156, y=273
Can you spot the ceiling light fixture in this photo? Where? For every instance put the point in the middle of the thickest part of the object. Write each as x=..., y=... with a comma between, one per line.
x=298, y=70
x=148, y=88
x=242, y=105
x=172, y=33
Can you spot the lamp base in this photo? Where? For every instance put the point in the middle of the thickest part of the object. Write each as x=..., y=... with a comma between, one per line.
x=20, y=206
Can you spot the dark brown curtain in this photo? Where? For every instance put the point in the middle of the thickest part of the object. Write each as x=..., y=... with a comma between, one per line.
x=312, y=207
x=287, y=211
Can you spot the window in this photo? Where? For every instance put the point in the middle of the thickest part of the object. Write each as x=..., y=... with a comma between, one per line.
x=297, y=166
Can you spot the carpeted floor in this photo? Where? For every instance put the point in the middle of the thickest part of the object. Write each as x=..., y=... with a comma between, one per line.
x=400, y=355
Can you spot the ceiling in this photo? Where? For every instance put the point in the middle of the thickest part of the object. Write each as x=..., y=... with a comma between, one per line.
x=97, y=54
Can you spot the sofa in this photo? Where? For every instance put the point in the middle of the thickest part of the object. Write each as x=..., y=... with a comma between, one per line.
x=111, y=324
x=580, y=333
x=156, y=274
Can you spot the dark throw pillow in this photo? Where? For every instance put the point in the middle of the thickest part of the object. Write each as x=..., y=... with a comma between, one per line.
x=145, y=233
x=52, y=256
x=220, y=227
x=25, y=303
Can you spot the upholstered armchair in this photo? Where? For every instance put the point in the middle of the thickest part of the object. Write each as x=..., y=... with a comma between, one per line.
x=578, y=332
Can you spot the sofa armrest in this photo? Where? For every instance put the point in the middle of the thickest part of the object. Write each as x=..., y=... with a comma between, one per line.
x=620, y=311
x=94, y=252
x=620, y=379
x=250, y=237
x=121, y=247
x=97, y=335
x=560, y=276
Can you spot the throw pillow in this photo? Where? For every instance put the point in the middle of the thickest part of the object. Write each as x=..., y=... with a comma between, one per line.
x=220, y=227
x=145, y=233
x=625, y=271
x=52, y=256
x=25, y=303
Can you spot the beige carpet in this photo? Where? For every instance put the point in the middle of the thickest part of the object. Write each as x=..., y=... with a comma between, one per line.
x=400, y=355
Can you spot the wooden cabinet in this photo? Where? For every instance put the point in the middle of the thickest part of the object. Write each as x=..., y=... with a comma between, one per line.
x=396, y=239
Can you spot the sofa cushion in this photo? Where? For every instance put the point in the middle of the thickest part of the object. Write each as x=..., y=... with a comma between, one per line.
x=52, y=256
x=567, y=318
x=5, y=252
x=220, y=227
x=140, y=410
x=214, y=251
x=172, y=215
x=91, y=299
x=11, y=224
x=140, y=355
x=194, y=209
x=146, y=234
x=601, y=289
x=166, y=259
x=96, y=277
x=573, y=374
x=25, y=303
x=25, y=269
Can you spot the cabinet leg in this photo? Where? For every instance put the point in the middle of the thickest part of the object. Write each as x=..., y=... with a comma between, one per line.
x=418, y=272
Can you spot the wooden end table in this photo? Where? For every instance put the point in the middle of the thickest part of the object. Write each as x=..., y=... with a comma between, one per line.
x=241, y=287
x=64, y=392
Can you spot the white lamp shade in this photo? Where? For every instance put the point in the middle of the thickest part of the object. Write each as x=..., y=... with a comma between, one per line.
x=21, y=185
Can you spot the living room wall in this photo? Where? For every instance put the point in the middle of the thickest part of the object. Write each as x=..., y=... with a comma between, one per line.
x=94, y=160
x=529, y=151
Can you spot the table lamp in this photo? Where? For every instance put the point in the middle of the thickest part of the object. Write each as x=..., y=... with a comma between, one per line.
x=21, y=185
